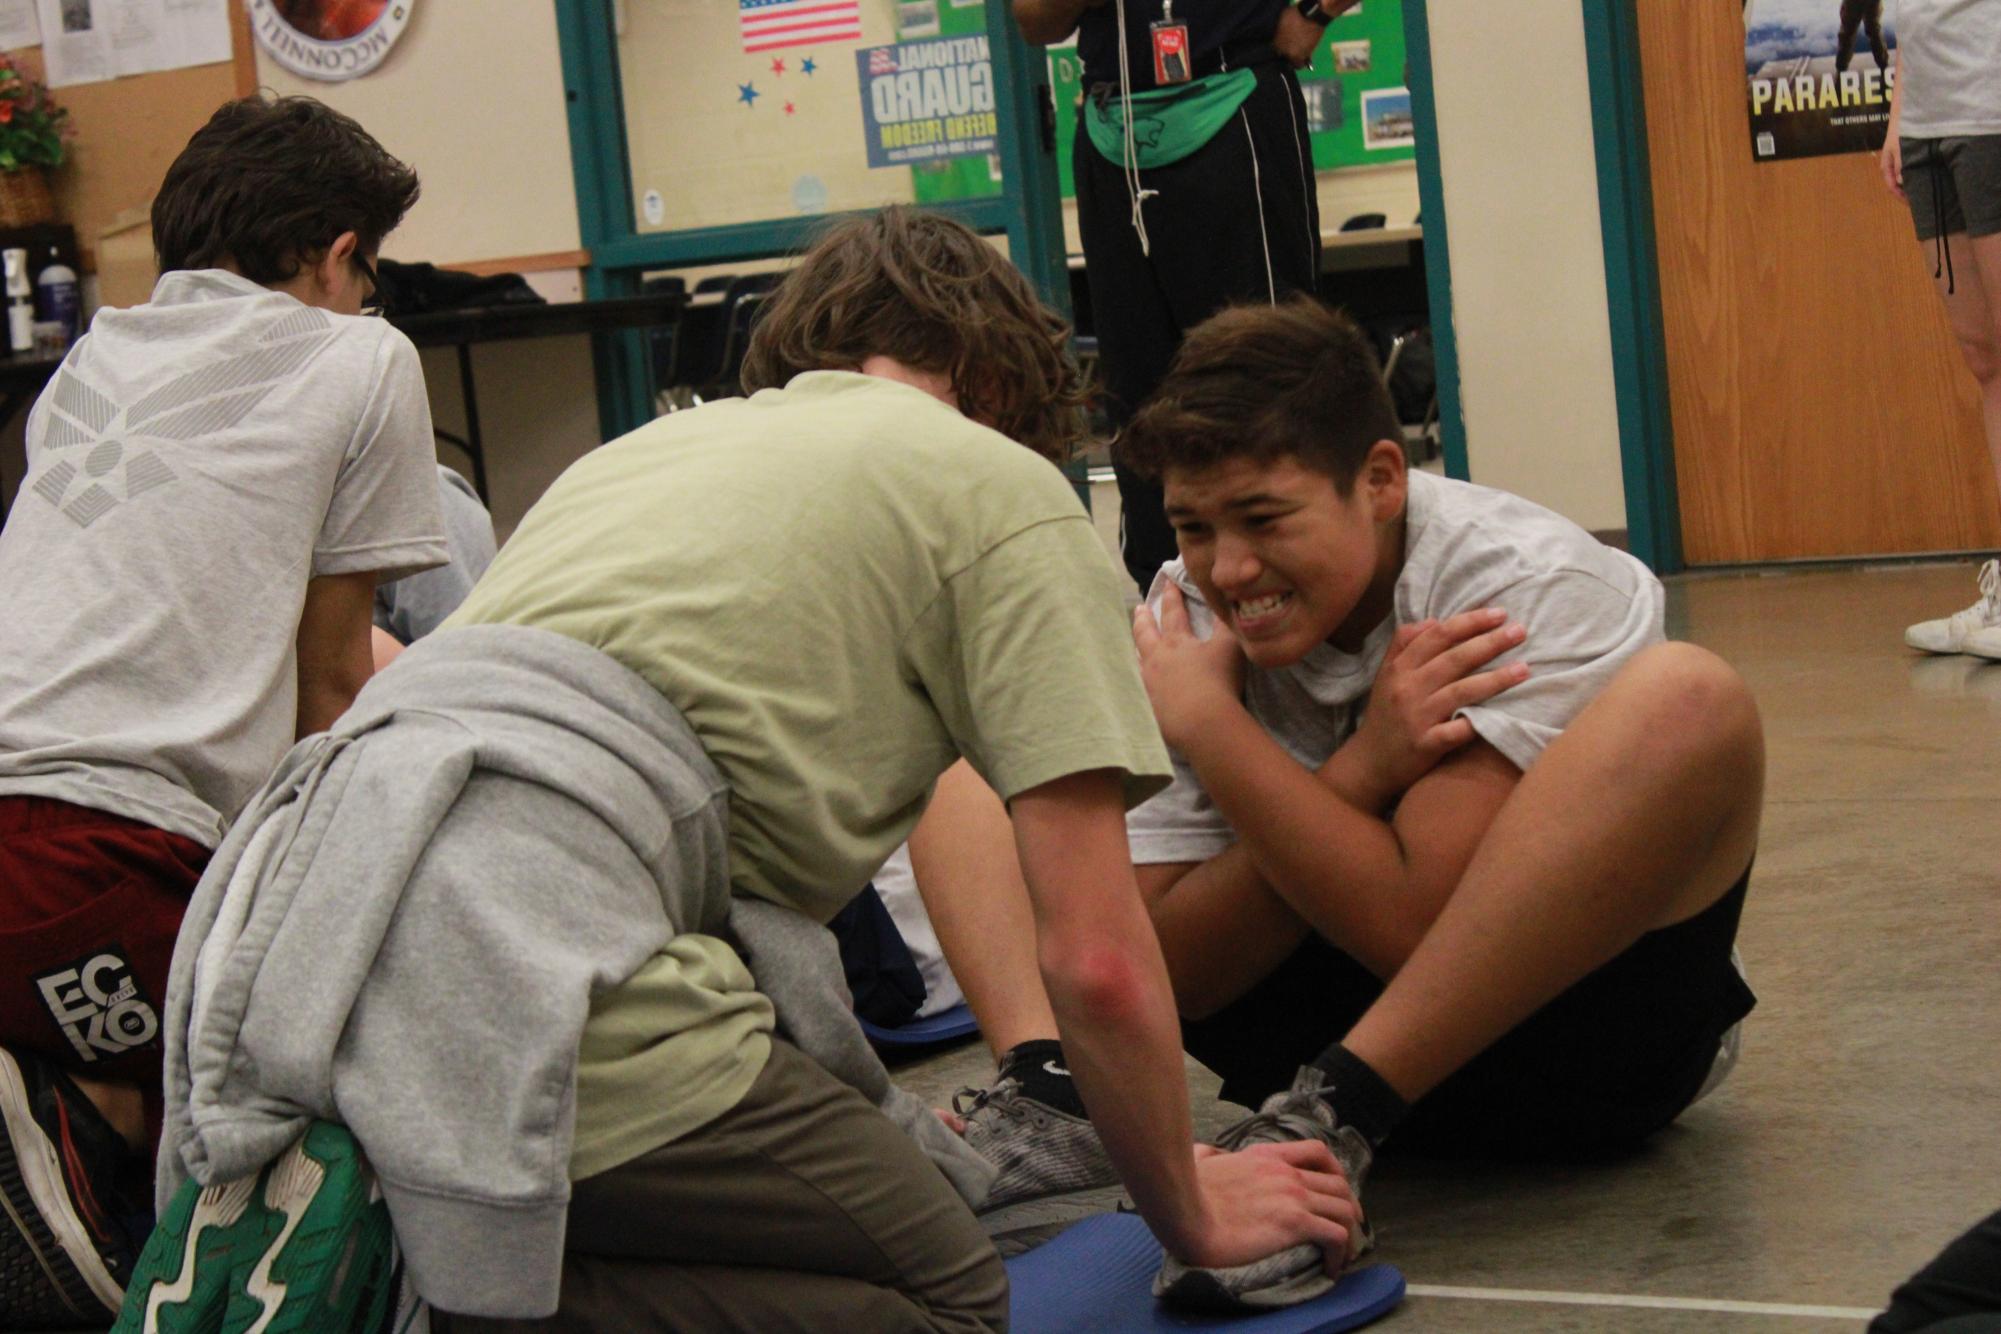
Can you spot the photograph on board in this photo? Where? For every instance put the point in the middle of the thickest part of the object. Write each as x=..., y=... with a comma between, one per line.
x=1386, y=119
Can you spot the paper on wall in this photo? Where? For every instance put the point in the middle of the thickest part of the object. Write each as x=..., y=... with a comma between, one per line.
x=19, y=25
x=76, y=42
x=84, y=41
x=138, y=33
x=202, y=28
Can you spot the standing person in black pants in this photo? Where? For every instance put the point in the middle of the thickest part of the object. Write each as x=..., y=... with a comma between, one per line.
x=1208, y=200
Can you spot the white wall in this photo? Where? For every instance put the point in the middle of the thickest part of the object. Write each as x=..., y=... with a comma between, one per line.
x=472, y=97
x=1528, y=260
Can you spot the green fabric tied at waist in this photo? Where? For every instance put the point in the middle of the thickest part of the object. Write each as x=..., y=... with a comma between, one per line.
x=1168, y=123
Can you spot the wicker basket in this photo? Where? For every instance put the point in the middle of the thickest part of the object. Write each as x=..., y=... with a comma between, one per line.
x=24, y=198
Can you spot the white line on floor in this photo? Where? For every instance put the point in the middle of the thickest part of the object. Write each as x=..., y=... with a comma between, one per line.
x=1653, y=1303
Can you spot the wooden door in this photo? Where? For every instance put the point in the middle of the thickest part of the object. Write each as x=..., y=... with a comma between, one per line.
x=1820, y=404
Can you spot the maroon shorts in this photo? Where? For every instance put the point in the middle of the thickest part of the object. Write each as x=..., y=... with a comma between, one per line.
x=90, y=904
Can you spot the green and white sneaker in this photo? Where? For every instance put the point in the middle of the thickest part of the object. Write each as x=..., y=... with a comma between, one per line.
x=304, y=1246
x=1950, y=634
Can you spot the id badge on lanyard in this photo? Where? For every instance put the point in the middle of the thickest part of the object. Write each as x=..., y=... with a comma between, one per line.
x=1170, y=48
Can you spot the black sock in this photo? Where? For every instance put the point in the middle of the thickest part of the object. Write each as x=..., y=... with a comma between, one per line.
x=1359, y=1096
x=1043, y=1076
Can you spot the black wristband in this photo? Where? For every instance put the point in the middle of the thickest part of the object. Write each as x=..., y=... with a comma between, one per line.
x=1311, y=11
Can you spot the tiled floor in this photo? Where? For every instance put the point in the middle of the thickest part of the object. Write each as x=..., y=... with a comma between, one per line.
x=1859, y=1133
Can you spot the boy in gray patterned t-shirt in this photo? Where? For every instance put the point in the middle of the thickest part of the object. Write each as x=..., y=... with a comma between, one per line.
x=217, y=480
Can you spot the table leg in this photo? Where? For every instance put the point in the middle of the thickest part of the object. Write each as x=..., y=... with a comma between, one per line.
x=475, y=444
x=10, y=404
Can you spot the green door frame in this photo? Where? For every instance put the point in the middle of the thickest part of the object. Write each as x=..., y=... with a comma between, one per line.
x=1437, y=255
x=1028, y=211
x=1632, y=282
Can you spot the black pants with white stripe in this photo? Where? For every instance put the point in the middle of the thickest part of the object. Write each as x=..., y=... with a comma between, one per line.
x=1235, y=221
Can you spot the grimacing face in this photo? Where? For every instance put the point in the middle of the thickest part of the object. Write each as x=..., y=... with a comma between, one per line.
x=1283, y=558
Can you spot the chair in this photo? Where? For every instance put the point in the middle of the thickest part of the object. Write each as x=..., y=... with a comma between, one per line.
x=1419, y=392
x=743, y=301
x=662, y=343
x=696, y=350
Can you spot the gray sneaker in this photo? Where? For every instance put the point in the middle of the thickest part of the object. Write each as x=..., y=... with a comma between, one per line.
x=1053, y=1166
x=1298, y=1273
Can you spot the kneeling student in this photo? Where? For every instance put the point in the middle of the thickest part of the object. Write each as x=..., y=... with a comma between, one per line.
x=1457, y=844
x=728, y=654
x=217, y=482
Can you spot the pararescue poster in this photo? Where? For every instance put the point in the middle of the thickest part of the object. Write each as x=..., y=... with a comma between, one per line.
x=1819, y=74
x=925, y=101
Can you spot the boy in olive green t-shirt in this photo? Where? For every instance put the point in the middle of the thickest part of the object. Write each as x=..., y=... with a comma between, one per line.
x=843, y=584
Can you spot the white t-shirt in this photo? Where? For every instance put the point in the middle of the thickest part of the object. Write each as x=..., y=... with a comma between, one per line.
x=194, y=462
x=1587, y=607
x=896, y=885
x=411, y=607
x=1949, y=65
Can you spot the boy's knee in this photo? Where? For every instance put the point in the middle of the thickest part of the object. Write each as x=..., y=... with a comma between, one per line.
x=1694, y=698
x=1983, y=358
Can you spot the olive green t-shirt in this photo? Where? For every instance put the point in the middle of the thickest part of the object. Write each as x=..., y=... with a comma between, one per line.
x=843, y=586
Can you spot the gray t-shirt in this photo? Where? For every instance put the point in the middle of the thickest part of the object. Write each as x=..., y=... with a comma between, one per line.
x=194, y=462
x=411, y=607
x=1588, y=608
x=1949, y=62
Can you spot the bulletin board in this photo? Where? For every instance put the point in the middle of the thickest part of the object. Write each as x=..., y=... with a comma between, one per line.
x=128, y=130
x=1356, y=100
x=1359, y=115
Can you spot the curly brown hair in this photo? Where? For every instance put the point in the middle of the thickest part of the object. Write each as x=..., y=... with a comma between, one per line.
x=1296, y=380
x=269, y=183
x=927, y=291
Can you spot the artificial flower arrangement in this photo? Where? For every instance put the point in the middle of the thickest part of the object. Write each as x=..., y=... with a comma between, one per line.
x=33, y=129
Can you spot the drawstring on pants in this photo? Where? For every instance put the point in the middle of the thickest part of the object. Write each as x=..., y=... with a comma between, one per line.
x=1942, y=248
x=1138, y=193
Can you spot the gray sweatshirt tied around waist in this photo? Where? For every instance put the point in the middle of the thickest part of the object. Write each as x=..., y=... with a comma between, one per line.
x=436, y=1009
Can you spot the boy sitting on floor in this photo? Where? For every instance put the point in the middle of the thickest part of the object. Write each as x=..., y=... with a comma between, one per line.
x=217, y=481
x=1454, y=835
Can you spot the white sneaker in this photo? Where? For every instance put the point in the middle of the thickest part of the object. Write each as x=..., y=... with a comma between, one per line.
x=1985, y=644
x=1950, y=635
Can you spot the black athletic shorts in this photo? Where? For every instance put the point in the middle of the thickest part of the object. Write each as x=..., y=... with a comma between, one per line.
x=1954, y=185
x=1594, y=1072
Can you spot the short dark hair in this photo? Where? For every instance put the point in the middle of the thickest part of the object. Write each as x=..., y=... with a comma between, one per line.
x=269, y=183
x=1297, y=379
x=928, y=292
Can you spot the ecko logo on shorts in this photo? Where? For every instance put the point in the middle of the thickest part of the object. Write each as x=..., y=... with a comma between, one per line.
x=99, y=1007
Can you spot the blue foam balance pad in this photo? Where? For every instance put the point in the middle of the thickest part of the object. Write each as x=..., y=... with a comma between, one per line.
x=944, y=1026
x=1098, y=1277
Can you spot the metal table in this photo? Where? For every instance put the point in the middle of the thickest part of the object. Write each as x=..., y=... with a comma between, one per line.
x=493, y=324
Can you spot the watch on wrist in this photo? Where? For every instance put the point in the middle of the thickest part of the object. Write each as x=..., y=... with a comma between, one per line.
x=1311, y=11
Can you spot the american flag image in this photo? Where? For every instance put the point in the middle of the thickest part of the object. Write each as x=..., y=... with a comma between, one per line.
x=770, y=24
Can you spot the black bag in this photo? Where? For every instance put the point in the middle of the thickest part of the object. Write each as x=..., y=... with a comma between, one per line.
x=418, y=289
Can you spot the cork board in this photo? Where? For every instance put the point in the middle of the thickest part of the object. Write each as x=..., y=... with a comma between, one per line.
x=128, y=130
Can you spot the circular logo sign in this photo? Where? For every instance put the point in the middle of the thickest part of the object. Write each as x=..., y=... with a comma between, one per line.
x=329, y=39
